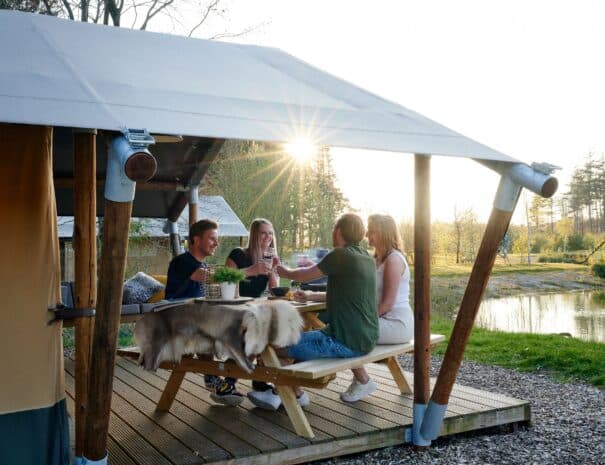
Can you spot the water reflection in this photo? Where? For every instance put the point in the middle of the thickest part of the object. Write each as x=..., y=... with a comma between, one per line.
x=579, y=314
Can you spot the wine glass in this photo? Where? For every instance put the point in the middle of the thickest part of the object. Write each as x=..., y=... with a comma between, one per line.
x=268, y=255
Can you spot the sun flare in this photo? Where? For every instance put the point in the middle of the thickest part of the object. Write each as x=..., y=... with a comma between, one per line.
x=301, y=149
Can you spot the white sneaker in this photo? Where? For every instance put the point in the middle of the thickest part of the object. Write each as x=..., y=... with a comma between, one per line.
x=267, y=400
x=270, y=400
x=358, y=391
x=303, y=400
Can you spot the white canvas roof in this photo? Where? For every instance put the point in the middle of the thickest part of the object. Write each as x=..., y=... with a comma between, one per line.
x=65, y=73
x=213, y=207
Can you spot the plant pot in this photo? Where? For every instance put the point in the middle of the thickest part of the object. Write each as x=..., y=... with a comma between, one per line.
x=228, y=291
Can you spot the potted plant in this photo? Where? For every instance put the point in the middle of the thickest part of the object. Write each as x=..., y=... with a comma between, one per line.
x=228, y=278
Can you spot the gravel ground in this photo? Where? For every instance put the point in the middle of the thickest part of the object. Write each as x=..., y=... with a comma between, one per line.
x=568, y=426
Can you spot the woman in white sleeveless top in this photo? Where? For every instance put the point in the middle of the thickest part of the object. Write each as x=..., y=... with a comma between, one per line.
x=396, y=319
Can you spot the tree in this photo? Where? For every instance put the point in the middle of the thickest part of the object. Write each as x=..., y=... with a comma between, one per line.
x=186, y=16
x=467, y=233
x=260, y=180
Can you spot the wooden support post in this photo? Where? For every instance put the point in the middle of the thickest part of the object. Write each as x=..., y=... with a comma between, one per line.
x=85, y=245
x=175, y=240
x=193, y=203
x=107, y=322
x=494, y=232
x=422, y=291
x=422, y=278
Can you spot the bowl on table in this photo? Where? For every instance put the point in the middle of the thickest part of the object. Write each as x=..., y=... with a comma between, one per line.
x=280, y=291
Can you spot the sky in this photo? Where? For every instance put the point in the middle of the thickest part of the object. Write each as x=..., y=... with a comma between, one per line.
x=526, y=78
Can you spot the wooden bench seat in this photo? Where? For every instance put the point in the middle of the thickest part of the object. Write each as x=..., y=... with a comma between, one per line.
x=314, y=369
x=314, y=374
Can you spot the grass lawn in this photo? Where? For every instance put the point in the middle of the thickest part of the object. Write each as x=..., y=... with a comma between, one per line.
x=566, y=359
x=448, y=270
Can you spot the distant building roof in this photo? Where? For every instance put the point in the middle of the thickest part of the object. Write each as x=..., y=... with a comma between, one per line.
x=212, y=207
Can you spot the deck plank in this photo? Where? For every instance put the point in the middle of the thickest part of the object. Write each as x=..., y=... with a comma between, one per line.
x=236, y=436
x=329, y=429
x=173, y=423
x=117, y=454
x=197, y=431
x=470, y=398
x=129, y=439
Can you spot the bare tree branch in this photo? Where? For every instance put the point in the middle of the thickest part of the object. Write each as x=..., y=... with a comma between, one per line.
x=98, y=12
x=48, y=10
x=70, y=12
x=209, y=9
x=151, y=13
x=243, y=32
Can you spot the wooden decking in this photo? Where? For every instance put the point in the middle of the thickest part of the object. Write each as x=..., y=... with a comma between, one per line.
x=198, y=431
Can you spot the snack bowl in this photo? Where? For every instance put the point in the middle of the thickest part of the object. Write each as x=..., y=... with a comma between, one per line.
x=280, y=291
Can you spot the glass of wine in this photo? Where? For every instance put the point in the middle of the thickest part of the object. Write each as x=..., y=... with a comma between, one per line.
x=268, y=255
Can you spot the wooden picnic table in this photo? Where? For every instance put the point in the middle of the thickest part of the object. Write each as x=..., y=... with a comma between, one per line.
x=310, y=314
x=313, y=374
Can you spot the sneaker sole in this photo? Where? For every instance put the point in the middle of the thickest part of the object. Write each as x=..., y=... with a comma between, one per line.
x=230, y=400
x=350, y=401
x=264, y=405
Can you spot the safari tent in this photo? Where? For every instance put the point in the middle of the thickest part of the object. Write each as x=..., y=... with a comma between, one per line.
x=100, y=121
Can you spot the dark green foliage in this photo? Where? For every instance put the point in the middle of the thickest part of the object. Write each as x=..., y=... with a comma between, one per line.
x=260, y=180
x=599, y=270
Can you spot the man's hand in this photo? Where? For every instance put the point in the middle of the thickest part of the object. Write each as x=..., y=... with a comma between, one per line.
x=304, y=296
x=301, y=296
x=199, y=275
x=282, y=271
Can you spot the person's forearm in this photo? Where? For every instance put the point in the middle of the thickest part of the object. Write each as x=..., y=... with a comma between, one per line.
x=273, y=280
x=384, y=308
x=302, y=274
x=288, y=273
x=317, y=296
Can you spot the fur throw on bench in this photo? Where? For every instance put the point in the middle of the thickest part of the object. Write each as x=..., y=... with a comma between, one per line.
x=227, y=331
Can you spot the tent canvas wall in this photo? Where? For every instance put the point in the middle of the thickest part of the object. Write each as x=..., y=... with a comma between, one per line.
x=32, y=393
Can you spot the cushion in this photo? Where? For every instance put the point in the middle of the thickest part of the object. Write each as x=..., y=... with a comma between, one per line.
x=162, y=292
x=140, y=288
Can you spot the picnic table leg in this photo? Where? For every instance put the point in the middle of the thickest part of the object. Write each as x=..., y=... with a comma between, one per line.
x=312, y=321
x=288, y=397
x=399, y=376
x=172, y=387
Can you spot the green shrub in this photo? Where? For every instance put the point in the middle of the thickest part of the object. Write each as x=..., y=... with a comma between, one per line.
x=598, y=298
x=599, y=270
x=224, y=274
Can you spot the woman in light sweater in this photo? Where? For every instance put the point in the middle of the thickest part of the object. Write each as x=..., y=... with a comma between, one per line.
x=396, y=319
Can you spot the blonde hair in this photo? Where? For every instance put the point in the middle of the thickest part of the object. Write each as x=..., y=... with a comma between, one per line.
x=386, y=231
x=254, y=250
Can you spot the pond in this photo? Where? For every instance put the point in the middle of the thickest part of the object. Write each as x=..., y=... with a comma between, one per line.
x=581, y=314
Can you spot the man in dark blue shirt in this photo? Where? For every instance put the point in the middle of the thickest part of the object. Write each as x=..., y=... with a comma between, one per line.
x=186, y=279
x=187, y=272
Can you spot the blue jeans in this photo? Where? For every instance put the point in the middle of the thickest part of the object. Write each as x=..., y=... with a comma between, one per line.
x=316, y=344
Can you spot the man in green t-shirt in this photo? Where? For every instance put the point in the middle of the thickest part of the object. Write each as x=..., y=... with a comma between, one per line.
x=351, y=315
